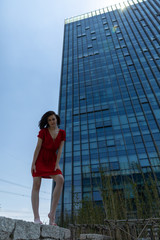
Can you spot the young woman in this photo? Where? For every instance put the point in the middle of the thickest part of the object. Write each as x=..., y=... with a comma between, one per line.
x=46, y=162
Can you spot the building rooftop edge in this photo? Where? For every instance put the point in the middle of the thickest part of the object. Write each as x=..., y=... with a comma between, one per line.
x=120, y=5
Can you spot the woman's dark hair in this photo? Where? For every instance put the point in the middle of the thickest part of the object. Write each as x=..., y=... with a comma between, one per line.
x=43, y=123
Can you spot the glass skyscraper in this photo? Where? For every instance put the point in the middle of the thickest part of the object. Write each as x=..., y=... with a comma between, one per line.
x=109, y=100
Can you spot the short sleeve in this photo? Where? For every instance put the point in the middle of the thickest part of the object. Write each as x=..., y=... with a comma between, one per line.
x=41, y=134
x=63, y=135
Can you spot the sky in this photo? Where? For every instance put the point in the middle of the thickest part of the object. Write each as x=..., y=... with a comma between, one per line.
x=30, y=65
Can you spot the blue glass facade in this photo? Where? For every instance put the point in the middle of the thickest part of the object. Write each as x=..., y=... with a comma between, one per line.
x=109, y=97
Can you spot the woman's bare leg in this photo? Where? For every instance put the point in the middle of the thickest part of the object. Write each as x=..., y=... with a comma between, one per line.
x=56, y=196
x=35, y=197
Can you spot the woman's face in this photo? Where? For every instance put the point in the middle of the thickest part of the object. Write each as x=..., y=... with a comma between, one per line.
x=52, y=121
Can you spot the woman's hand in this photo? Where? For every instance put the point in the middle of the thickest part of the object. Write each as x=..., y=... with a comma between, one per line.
x=33, y=168
x=57, y=167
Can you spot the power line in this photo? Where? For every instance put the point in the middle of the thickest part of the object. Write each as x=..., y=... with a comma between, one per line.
x=20, y=185
x=22, y=195
x=18, y=211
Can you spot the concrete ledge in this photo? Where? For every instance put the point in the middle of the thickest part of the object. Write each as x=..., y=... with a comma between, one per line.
x=11, y=229
x=94, y=237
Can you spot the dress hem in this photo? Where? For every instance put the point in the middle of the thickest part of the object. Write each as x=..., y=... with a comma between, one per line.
x=48, y=175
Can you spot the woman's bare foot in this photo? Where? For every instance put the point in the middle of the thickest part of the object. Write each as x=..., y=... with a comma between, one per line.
x=37, y=221
x=52, y=219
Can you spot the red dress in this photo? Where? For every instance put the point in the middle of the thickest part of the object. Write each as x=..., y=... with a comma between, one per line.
x=47, y=156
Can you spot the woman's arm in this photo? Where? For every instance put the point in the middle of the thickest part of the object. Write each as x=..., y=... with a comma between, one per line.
x=36, y=152
x=59, y=155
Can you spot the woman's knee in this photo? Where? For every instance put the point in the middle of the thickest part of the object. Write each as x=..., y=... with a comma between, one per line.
x=60, y=179
x=36, y=183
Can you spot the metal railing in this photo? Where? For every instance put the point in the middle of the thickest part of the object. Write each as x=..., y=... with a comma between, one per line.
x=128, y=229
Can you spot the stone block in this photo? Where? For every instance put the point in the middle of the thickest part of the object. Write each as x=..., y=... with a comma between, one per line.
x=64, y=233
x=7, y=226
x=55, y=232
x=26, y=231
x=50, y=232
x=45, y=239
x=11, y=229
